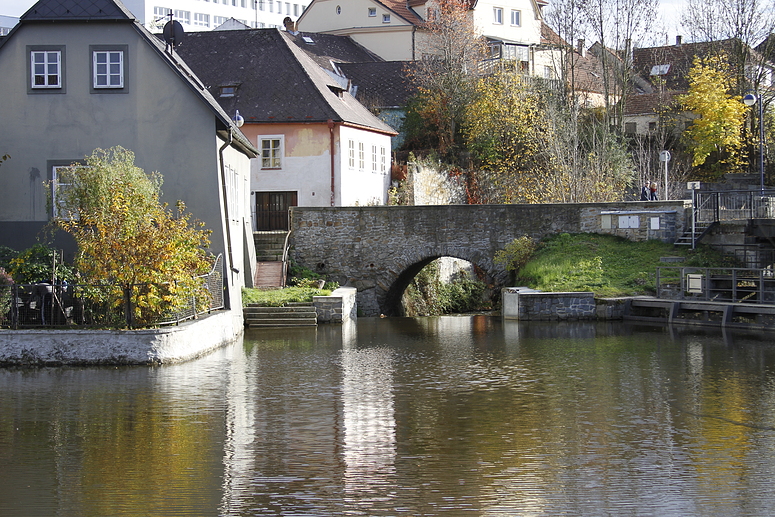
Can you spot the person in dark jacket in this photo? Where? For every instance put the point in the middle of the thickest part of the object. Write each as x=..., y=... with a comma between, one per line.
x=644, y=192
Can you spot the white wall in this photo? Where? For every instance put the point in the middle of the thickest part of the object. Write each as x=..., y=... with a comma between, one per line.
x=364, y=182
x=241, y=10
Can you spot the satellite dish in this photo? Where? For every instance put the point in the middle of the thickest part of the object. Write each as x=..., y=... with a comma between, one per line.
x=173, y=33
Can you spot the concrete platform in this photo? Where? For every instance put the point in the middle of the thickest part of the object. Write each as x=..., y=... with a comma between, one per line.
x=174, y=344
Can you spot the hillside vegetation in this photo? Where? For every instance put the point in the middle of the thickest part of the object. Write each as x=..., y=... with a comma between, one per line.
x=605, y=264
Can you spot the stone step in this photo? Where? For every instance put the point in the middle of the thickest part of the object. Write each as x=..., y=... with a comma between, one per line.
x=279, y=315
x=280, y=323
x=254, y=307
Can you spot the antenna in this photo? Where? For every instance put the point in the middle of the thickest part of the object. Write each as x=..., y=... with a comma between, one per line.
x=173, y=33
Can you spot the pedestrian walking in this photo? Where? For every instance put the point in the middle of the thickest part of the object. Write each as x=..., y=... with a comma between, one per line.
x=653, y=192
x=644, y=192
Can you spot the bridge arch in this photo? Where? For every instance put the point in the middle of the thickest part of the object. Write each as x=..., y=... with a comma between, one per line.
x=379, y=249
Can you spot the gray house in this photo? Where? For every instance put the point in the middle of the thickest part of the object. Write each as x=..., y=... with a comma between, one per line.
x=76, y=76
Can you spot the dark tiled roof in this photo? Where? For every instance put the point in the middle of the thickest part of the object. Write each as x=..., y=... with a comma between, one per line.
x=649, y=103
x=679, y=57
x=380, y=85
x=325, y=48
x=276, y=81
x=77, y=10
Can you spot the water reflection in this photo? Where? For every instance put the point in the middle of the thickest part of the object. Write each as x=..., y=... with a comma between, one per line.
x=402, y=416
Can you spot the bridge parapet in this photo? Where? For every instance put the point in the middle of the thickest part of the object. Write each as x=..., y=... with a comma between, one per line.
x=379, y=250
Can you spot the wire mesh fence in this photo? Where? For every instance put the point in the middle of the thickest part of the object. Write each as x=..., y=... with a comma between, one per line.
x=45, y=305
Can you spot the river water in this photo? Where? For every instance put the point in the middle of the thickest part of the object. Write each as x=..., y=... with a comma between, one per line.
x=405, y=416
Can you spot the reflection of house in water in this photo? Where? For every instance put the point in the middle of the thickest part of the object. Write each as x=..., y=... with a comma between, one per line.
x=369, y=448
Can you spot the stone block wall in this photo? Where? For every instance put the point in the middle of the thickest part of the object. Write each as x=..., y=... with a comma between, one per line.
x=538, y=306
x=339, y=307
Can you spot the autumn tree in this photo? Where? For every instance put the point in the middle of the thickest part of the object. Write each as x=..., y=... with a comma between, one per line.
x=717, y=129
x=445, y=74
x=127, y=238
x=506, y=132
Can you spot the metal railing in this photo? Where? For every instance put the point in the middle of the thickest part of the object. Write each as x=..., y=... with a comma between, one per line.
x=731, y=285
x=734, y=205
x=45, y=305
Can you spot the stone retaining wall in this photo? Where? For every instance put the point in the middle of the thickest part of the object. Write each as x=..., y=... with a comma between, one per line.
x=339, y=307
x=530, y=305
x=184, y=342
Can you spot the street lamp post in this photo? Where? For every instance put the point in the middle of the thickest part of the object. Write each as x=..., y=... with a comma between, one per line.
x=749, y=100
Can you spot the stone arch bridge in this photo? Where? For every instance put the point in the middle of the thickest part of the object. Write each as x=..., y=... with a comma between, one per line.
x=379, y=250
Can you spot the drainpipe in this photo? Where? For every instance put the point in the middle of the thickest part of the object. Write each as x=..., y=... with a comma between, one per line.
x=226, y=209
x=333, y=162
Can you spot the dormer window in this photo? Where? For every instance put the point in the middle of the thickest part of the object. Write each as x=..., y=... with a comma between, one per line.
x=227, y=90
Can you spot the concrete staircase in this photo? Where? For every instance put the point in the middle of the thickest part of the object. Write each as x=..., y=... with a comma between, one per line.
x=270, y=252
x=293, y=315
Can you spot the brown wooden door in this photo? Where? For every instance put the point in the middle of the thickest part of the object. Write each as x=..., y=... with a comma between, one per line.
x=272, y=210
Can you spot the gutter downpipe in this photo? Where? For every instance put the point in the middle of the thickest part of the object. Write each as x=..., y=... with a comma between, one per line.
x=333, y=162
x=226, y=210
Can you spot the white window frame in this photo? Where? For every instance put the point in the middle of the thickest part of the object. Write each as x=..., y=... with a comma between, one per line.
x=497, y=13
x=361, y=156
x=383, y=160
x=351, y=154
x=372, y=12
x=183, y=16
x=55, y=185
x=374, y=158
x=385, y=18
x=274, y=157
x=515, y=13
x=201, y=19
x=112, y=75
x=50, y=58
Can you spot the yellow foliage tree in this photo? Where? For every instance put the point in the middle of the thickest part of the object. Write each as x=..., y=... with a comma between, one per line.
x=506, y=131
x=720, y=114
x=128, y=239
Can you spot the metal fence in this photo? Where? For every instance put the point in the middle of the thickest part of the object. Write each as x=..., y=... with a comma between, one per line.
x=731, y=285
x=734, y=205
x=45, y=305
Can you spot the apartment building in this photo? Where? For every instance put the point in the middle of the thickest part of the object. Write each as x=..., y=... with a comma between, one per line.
x=203, y=15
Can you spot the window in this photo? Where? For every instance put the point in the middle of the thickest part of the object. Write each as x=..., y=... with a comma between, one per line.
x=183, y=16
x=271, y=152
x=652, y=126
x=372, y=11
x=287, y=8
x=351, y=154
x=271, y=6
x=260, y=5
x=383, y=161
x=338, y=9
x=497, y=15
x=361, y=157
x=516, y=17
x=218, y=20
x=630, y=128
x=296, y=9
x=162, y=11
x=227, y=91
x=202, y=19
x=374, y=159
x=108, y=69
x=385, y=18
x=46, y=68
x=57, y=187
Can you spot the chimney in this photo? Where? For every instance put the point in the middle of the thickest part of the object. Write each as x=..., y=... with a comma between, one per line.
x=580, y=48
x=678, y=41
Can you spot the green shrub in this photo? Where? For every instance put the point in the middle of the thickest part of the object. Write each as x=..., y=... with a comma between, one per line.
x=35, y=265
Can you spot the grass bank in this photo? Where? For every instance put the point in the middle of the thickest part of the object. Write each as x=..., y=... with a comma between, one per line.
x=281, y=297
x=605, y=264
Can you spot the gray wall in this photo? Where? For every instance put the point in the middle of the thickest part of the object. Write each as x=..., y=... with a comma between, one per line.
x=378, y=250
x=157, y=116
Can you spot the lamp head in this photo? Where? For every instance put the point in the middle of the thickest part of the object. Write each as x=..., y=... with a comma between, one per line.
x=749, y=99
x=238, y=119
